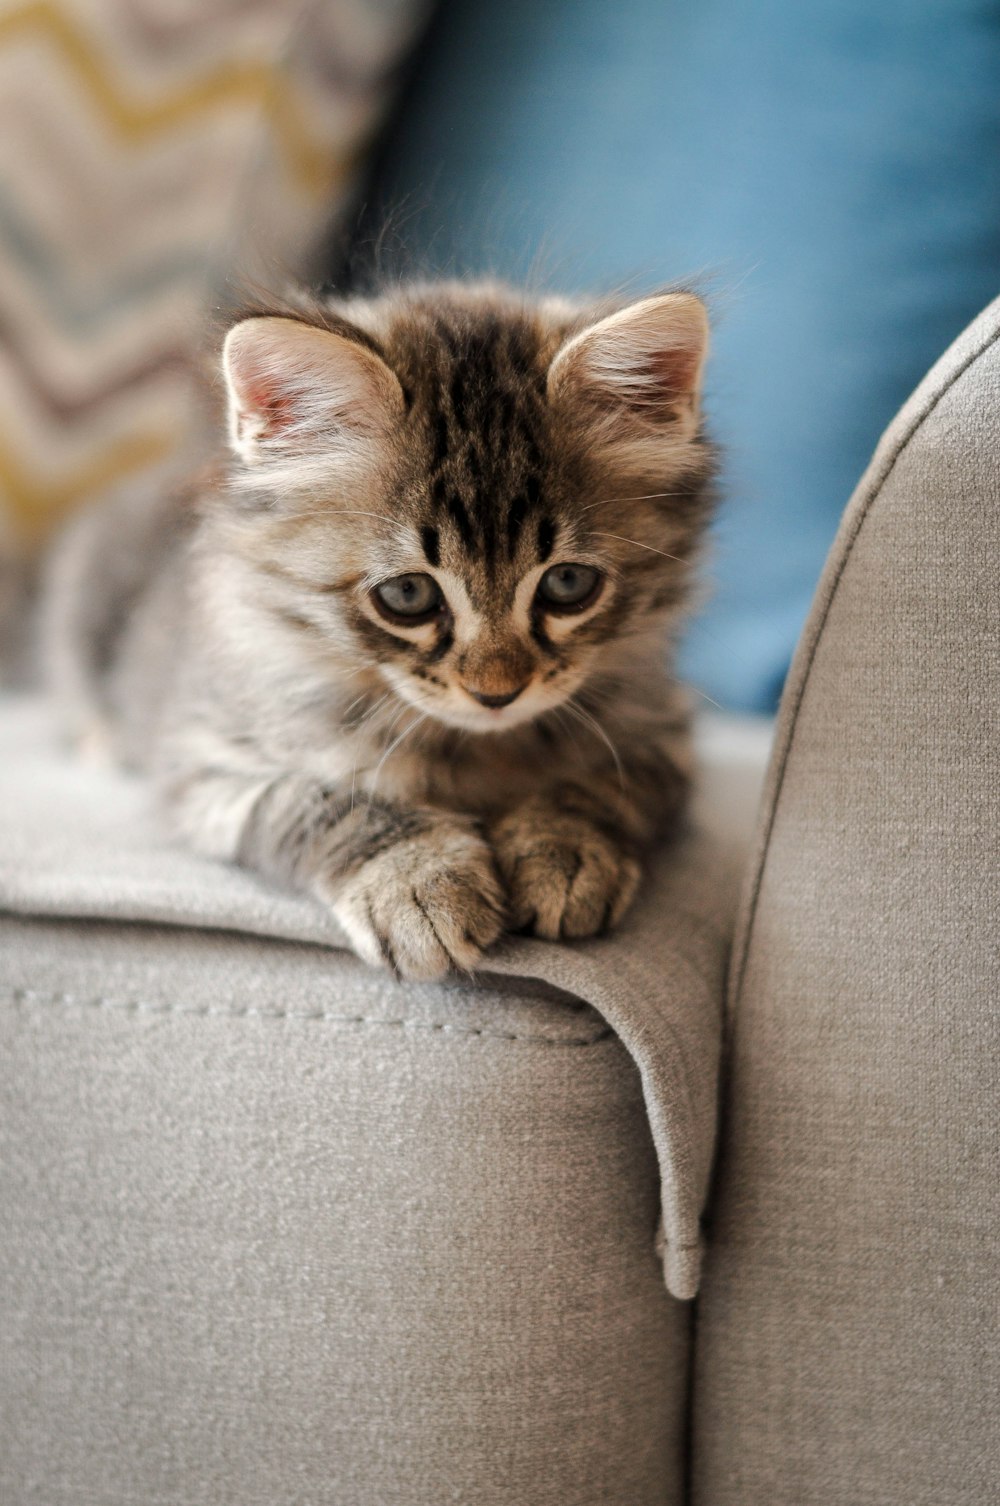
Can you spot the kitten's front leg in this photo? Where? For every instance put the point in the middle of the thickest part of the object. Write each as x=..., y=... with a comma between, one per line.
x=415, y=890
x=567, y=874
x=428, y=902
x=570, y=859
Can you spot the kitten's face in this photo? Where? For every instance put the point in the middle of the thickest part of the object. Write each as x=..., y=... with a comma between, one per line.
x=483, y=499
x=485, y=640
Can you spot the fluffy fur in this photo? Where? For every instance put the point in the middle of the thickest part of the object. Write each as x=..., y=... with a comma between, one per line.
x=529, y=473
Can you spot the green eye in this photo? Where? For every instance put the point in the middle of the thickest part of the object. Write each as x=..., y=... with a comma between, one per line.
x=409, y=597
x=569, y=587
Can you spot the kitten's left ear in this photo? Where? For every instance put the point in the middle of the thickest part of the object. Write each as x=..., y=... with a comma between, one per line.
x=638, y=369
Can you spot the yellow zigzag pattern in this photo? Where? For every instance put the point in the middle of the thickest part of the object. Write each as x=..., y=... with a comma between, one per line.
x=37, y=505
x=253, y=84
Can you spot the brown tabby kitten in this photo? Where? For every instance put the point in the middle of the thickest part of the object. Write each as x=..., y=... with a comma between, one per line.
x=410, y=656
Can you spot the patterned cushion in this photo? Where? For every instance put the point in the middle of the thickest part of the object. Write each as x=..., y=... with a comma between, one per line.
x=147, y=148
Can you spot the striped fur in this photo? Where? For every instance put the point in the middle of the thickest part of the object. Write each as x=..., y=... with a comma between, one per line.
x=502, y=759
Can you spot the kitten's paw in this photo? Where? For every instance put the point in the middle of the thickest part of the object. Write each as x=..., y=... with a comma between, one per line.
x=565, y=877
x=426, y=905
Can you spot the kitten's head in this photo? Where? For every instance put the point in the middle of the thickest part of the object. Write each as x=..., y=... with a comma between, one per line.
x=485, y=497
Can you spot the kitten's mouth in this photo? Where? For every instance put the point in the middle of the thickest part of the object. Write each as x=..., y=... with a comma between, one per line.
x=514, y=712
x=457, y=706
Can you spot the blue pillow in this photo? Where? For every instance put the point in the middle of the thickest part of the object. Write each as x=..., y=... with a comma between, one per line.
x=828, y=173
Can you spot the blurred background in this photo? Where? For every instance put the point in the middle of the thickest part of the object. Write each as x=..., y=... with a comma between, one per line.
x=825, y=172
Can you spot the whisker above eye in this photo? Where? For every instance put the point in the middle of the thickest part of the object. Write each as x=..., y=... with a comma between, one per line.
x=636, y=544
x=643, y=497
x=338, y=512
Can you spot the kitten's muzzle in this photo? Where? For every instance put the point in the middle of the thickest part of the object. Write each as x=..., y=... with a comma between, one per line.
x=494, y=702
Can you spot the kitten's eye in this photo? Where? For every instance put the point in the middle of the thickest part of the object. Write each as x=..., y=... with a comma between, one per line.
x=409, y=597
x=569, y=588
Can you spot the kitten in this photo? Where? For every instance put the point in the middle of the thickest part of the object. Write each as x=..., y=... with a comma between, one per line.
x=411, y=654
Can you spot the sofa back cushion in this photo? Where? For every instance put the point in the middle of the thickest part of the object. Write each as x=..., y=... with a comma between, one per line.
x=829, y=173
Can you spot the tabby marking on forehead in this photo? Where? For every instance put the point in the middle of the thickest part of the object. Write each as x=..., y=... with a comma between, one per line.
x=432, y=545
x=546, y=538
x=483, y=389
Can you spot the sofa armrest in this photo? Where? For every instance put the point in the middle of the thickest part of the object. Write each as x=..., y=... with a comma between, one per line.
x=849, y=1326
x=277, y=1217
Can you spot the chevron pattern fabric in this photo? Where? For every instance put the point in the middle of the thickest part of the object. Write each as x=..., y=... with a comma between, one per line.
x=150, y=150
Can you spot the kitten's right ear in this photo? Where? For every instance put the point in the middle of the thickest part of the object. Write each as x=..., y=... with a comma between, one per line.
x=297, y=392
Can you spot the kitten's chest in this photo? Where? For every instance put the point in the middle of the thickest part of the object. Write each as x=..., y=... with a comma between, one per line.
x=485, y=780
x=405, y=760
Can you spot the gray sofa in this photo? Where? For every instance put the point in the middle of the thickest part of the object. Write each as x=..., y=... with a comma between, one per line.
x=277, y=1229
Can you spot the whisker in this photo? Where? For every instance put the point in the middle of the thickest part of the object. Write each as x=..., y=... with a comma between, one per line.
x=591, y=721
x=637, y=545
x=599, y=695
x=706, y=697
x=356, y=702
x=643, y=497
x=399, y=710
x=392, y=748
x=394, y=720
x=373, y=710
x=338, y=512
x=364, y=726
x=566, y=727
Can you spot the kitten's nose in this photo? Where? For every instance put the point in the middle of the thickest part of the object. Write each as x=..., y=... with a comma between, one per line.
x=494, y=701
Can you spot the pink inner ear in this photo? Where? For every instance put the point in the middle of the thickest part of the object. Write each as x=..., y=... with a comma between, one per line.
x=675, y=372
x=663, y=378
x=266, y=399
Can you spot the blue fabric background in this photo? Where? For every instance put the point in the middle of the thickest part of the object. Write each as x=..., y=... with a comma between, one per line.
x=829, y=174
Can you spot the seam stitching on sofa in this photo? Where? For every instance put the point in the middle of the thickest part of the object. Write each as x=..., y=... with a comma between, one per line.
x=139, y=1006
x=920, y=419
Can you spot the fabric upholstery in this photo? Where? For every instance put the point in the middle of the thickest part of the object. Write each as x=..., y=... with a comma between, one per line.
x=276, y=1229
x=80, y=842
x=282, y=1228
x=849, y=1331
